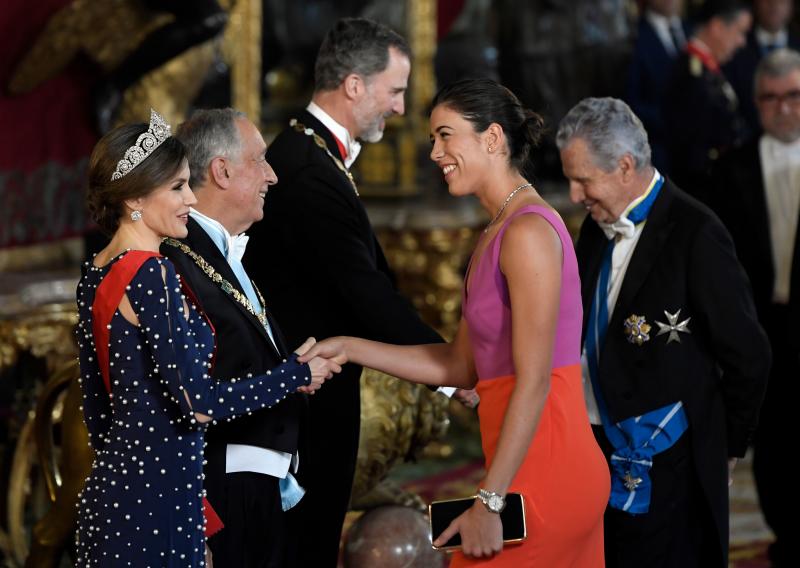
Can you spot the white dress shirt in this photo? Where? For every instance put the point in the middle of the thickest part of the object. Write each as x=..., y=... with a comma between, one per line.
x=240, y=457
x=665, y=28
x=627, y=235
x=771, y=40
x=780, y=164
x=351, y=145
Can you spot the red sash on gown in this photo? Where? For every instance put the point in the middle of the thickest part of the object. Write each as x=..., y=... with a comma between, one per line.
x=108, y=296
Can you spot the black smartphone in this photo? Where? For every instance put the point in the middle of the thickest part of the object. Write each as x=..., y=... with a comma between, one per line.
x=442, y=513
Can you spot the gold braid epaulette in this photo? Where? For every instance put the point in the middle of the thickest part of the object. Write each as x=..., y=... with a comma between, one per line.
x=320, y=141
x=226, y=286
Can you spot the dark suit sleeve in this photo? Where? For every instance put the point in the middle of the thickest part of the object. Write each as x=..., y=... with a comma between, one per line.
x=718, y=286
x=726, y=198
x=649, y=111
x=330, y=234
x=690, y=122
x=723, y=176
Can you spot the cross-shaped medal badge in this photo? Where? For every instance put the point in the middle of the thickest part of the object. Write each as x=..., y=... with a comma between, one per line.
x=673, y=327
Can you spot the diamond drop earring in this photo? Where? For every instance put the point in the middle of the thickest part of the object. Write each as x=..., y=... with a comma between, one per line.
x=136, y=215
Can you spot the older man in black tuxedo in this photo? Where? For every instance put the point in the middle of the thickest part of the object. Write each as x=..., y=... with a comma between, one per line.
x=757, y=196
x=250, y=462
x=675, y=362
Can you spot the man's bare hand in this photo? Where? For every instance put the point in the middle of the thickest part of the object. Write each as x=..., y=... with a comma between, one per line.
x=307, y=344
x=321, y=370
x=468, y=397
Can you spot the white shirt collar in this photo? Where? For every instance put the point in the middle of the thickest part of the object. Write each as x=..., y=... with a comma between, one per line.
x=624, y=226
x=351, y=145
x=662, y=25
x=765, y=38
x=662, y=21
x=230, y=246
x=779, y=148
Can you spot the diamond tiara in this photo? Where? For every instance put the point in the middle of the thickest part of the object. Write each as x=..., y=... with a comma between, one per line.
x=146, y=143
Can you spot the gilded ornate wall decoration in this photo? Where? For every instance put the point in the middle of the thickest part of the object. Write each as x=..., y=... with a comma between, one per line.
x=45, y=332
x=106, y=31
x=399, y=419
x=48, y=334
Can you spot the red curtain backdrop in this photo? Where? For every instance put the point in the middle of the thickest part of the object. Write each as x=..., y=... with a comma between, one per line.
x=446, y=13
x=45, y=136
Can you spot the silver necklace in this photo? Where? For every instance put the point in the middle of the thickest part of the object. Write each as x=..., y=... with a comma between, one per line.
x=506, y=202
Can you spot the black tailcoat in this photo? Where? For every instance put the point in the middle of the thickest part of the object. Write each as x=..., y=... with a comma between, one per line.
x=741, y=204
x=740, y=201
x=684, y=260
x=333, y=279
x=242, y=347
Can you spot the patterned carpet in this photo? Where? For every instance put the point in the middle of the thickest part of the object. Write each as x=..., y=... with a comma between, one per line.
x=438, y=478
x=749, y=535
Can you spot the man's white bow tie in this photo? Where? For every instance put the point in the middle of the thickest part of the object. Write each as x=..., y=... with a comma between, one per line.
x=622, y=226
x=237, y=246
x=783, y=152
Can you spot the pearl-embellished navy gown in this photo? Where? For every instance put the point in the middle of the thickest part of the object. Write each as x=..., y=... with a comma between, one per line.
x=142, y=503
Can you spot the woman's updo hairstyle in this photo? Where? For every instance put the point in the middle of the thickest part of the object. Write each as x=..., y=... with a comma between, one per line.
x=483, y=102
x=105, y=199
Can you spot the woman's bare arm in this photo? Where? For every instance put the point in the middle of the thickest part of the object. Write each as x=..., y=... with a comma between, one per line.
x=440, y=364
x=531, y=260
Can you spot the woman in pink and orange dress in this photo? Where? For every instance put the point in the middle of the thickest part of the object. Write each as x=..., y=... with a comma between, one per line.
x=518, y=341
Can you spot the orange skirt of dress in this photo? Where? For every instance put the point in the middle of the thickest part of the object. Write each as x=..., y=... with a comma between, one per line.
x=564, y=478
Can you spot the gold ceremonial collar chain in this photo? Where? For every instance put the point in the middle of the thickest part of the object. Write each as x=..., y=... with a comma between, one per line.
x=226, y=286
x=320, y=141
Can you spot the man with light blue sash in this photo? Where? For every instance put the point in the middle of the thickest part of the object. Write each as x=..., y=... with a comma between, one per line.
x=674, y=360
x=250, y=462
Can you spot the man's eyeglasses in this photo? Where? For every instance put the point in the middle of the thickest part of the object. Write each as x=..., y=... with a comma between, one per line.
x=791, y=98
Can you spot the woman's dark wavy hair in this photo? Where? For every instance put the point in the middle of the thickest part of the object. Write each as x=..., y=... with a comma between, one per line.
x=483, y=102
x=105, y=199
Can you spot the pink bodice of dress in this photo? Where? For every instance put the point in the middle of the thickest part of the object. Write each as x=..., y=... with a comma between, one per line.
x=487, y=308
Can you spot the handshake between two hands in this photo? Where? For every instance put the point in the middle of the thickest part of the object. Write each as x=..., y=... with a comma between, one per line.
x=327, y=357
x=324, y=361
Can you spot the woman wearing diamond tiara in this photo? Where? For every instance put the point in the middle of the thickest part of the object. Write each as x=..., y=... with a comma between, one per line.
x=145, y=353
x=518, y=341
